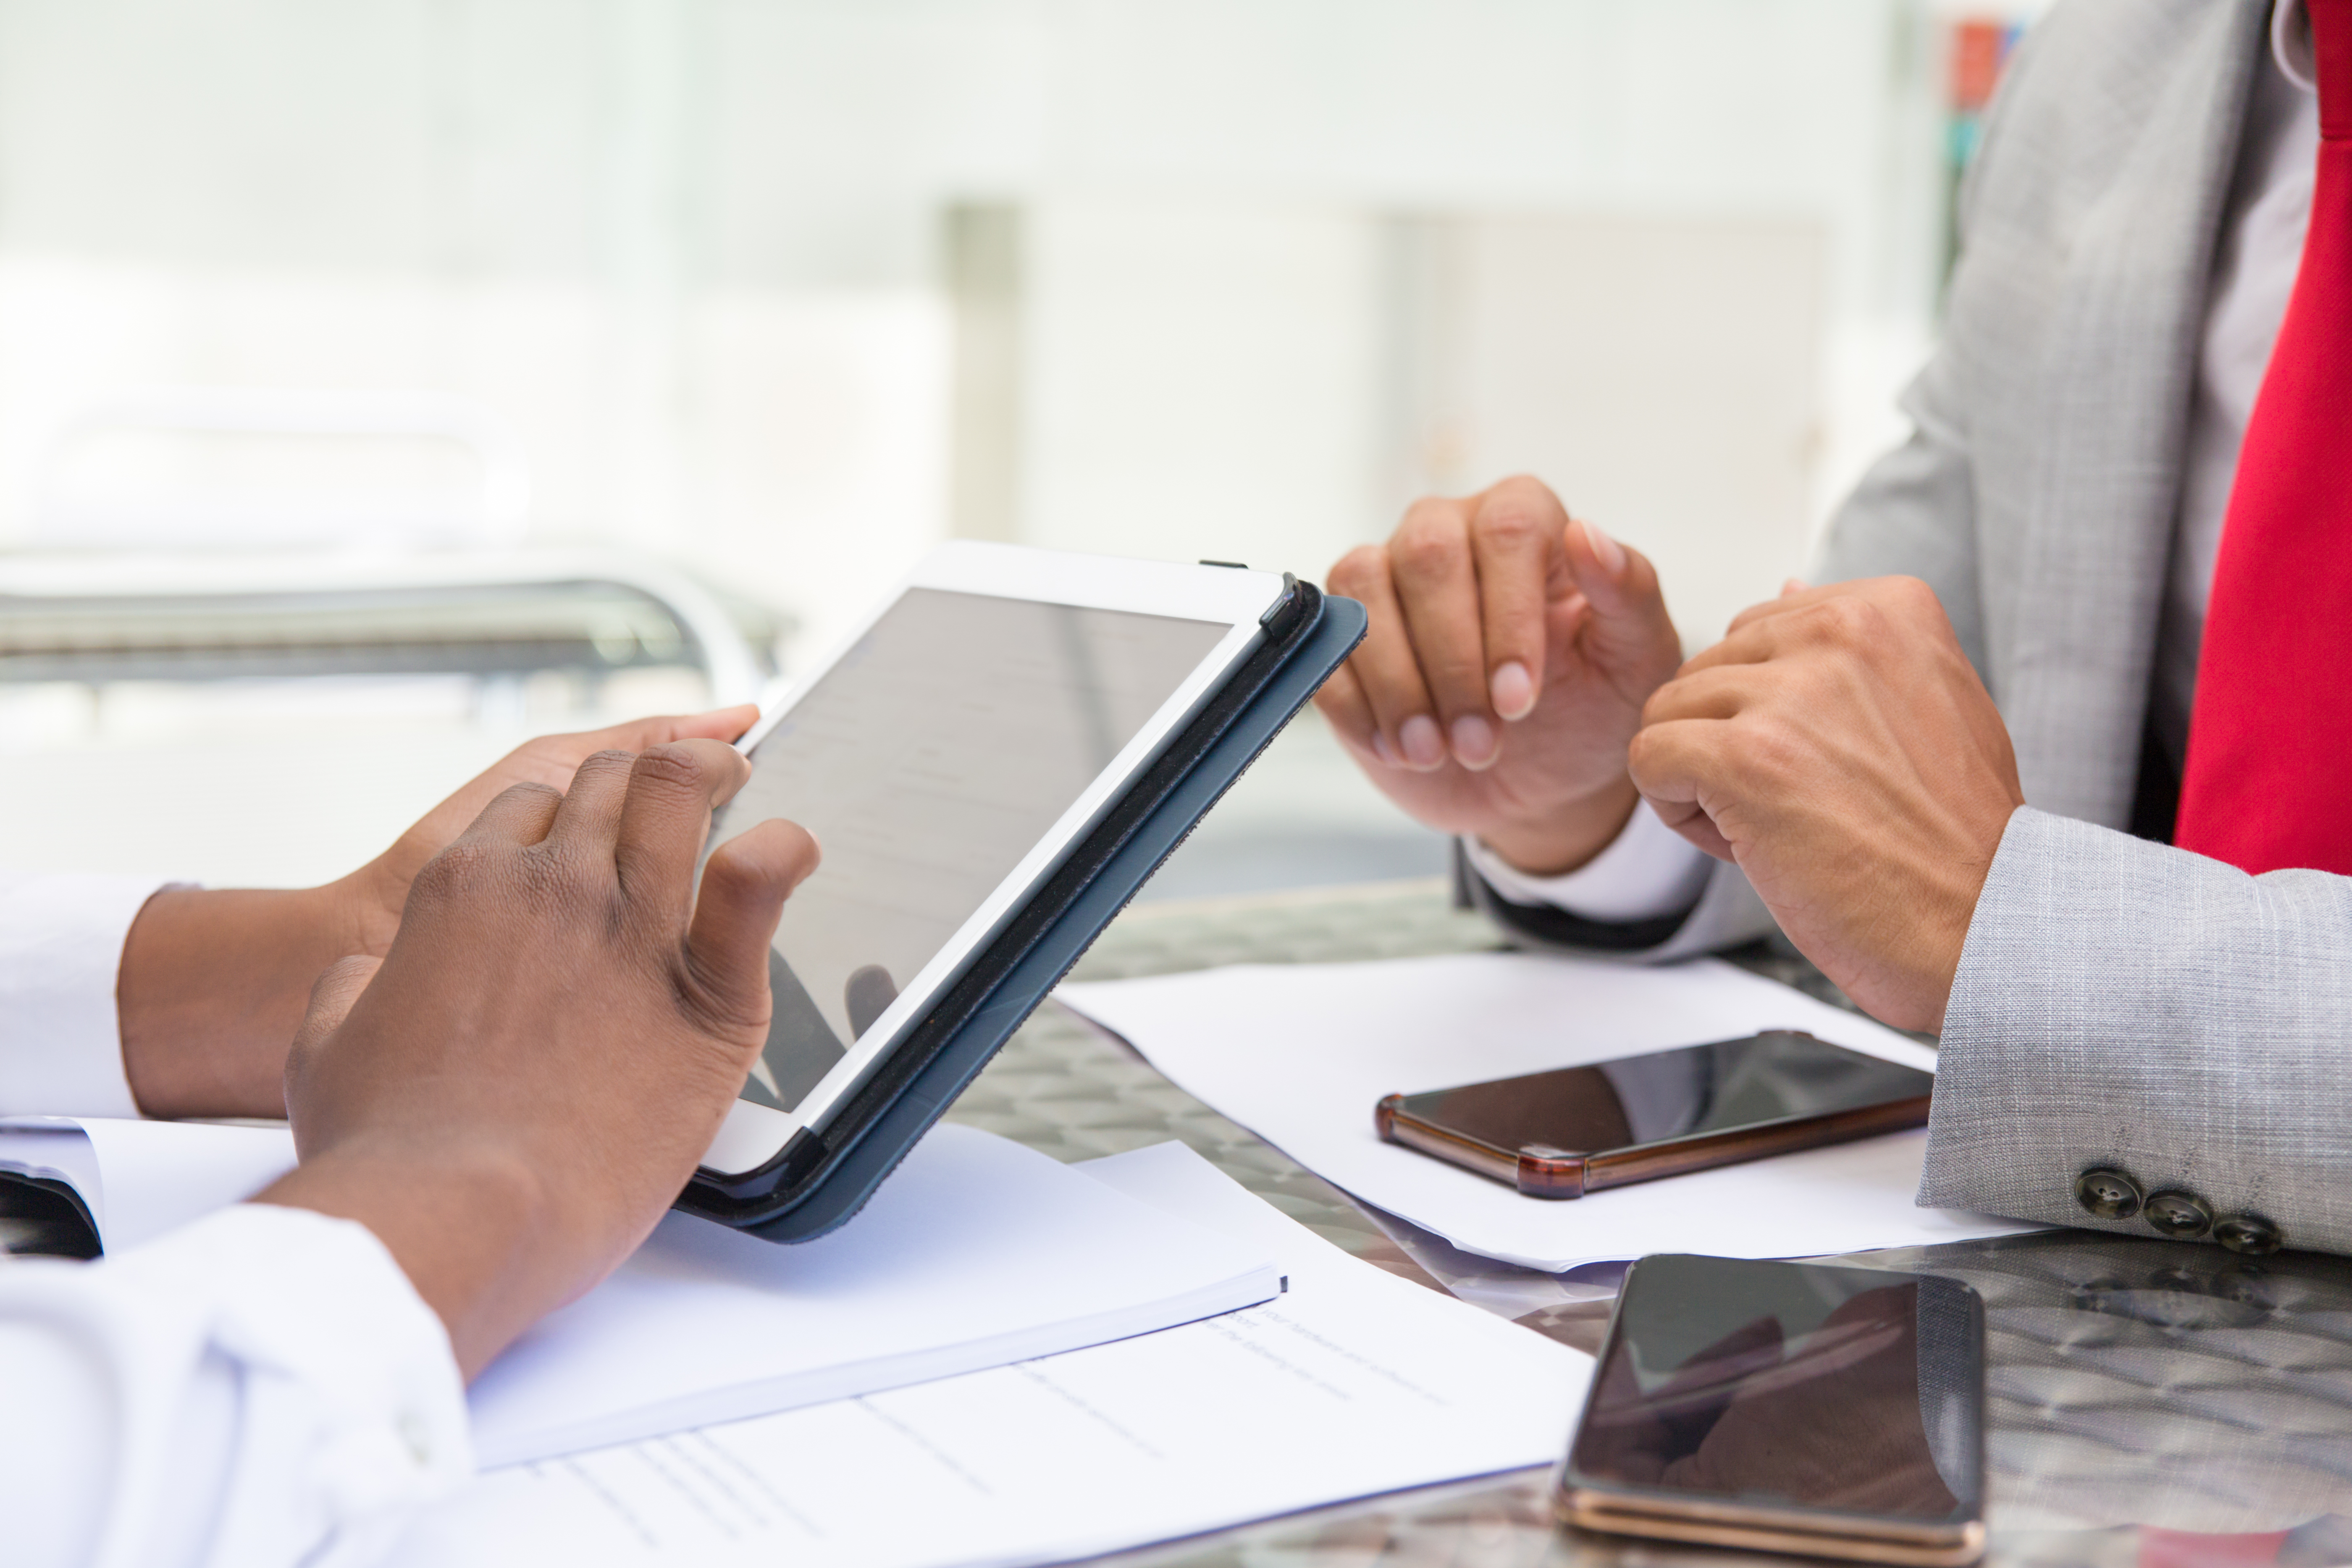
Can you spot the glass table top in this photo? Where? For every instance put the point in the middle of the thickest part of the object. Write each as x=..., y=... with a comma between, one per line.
x=2152, y=1403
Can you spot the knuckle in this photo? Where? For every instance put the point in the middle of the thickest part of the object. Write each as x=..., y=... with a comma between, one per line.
x=1526, y=490
x=1364, y=563
x=1764, y=750
x=1511, y=523
x=1427, y=550
x=1428, y=512
x=669, y=767
x=1679, y=695
x=1851, y=621
x=463, y=865
x=1911, y=594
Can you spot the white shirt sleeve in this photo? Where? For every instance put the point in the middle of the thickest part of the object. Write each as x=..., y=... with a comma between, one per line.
x=60, y=948
x=1648, y=870
x=262, y=1388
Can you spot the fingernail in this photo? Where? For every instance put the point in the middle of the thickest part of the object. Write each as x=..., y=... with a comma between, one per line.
x=1425, y=747
x=1514, y=690
x=1382, y=750
x=1473, y=742
x=1612, y=553
x=1793, y=585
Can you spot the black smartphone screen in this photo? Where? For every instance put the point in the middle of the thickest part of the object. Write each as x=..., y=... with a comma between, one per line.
x=1681, y=1093
x=1790, y=1384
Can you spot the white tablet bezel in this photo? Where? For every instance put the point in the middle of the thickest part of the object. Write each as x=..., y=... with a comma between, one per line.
x=754, y=1134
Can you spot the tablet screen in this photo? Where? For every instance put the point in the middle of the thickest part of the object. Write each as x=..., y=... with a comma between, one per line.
x=929, y=760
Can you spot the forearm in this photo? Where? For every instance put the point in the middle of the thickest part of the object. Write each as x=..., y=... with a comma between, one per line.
x=213, y=985
x=2120, y=1004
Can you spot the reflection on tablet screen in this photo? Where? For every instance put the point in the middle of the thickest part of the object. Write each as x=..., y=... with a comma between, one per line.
x=928, y=762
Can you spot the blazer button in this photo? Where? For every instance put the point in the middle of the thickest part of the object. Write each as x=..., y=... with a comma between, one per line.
x=2110, y=1195
x=2249, y=1234
x=2183, y=1216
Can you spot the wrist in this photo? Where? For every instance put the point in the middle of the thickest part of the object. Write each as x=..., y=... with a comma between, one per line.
x=1566, y=837
x=463, y=1229
x=364, y=909
x=211, y=987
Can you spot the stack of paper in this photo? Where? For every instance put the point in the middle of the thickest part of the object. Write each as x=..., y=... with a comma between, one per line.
x=1352, y=1383
x=1301, y=1054
x=140, y=1178
x=977, y=1252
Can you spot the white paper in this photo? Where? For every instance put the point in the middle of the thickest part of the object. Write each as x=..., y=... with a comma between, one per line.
x=1353, y=1382
x=976, y=1252
x=144, y=1178
x=1301, y=1053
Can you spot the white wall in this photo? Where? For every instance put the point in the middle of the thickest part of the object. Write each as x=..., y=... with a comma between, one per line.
x=1665, y=374
x=688, y=247
x=1202, y=381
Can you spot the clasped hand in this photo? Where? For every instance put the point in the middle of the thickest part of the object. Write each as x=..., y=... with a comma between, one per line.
x=1519, y=684
x=1839, y=747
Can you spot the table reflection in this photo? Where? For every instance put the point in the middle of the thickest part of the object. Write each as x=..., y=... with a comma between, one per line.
x=2164, y=1385
x=2153, y=1404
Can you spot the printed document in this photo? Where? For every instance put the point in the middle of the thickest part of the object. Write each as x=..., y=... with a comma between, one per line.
x=976, y=1252
x=1301, y=1054
x=1351, y=1383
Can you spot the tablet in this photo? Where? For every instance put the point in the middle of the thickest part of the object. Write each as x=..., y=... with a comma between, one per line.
x=947, y=756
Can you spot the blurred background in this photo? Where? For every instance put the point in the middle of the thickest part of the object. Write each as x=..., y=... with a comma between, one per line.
x=382, y=381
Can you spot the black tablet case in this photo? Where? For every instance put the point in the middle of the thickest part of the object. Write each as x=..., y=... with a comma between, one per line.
x=822, y=1179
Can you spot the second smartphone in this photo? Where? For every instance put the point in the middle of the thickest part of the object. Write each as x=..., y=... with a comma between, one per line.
x=1573, y=1130
x=1792, y=1407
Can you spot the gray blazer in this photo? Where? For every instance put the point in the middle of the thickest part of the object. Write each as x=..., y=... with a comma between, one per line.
x=2119, y=1003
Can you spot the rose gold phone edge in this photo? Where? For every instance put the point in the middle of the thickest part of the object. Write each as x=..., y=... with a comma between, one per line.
x=1715, y=1522
x=1564, y=1175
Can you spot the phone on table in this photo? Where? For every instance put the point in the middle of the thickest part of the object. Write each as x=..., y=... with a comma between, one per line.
x=1786, y=1407
x=1573, y=1130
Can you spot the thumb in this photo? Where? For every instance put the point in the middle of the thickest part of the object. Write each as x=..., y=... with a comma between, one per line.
x=744, y=886
x=332, y=996
x=1672, y=765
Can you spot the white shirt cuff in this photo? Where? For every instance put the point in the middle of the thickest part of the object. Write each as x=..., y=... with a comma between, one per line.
x=62, y=937
x=1647, y=871
x=262, y=1386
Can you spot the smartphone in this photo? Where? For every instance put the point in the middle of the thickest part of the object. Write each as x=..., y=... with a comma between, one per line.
x=1786, y=1407
x=1573, y=1130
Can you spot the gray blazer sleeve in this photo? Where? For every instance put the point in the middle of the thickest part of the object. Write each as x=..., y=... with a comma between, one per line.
x=2124, y=1004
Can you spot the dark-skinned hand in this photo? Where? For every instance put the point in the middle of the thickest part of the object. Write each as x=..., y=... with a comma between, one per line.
x=1510, y=654
x=1839, y=747
x=511, y=1096
x=213, y=981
